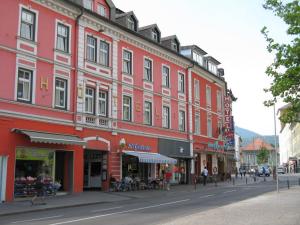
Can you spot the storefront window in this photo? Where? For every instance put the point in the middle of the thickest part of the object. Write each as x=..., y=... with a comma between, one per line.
x=31, y=164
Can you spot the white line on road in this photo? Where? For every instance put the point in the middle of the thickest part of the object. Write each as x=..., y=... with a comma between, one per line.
x=102, y=210
x=206, y=196
x=37, y=219
x=121, y=212
x=229, y=191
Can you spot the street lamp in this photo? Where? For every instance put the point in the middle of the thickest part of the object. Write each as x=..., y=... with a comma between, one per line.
x=276, y=161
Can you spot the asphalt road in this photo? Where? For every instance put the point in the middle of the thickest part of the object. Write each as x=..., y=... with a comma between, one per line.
x=152, y=210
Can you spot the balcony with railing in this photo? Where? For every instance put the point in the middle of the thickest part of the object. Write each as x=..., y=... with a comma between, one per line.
x=97, y=121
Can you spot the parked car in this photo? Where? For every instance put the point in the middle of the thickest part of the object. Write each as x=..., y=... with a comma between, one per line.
x=281, y=169
x=263, y=170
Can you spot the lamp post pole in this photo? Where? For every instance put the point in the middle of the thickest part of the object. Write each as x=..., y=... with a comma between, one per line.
x=276, y=160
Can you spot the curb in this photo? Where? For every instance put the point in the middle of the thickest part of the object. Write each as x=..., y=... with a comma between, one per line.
x=51, y=208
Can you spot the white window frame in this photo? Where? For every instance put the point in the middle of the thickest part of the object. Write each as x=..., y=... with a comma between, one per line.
x=59, y=89
x=181, y=120
x=208, y=95
x=30, y=82
x=197, y=89
x=36, y=22
x=209, y=126
x=198, y=58
x=131, y=23
x=220, y=134
x=127, y=61
x=212, y=67
x=165, y=77
x=88, y=4
x=93, y=48
x=148, y=112
x=103, y=100
x=101, y=10
x=181, y=82
x=154, y=35
x=70, y=36
x=105, y=53
x=65, y=39
x=166, y=122
x=32, y=25
x=197, y=124
x=148, y=69
x=89, y=97
x=129, y=106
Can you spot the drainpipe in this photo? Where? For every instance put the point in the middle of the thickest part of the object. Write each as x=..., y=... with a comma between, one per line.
x=190, y=121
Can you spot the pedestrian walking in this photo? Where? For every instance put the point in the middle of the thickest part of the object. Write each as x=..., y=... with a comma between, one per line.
x=241, y=172
x=204, y=174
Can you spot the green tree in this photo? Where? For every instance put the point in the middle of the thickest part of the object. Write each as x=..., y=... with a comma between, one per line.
x=262, y=155
x=285, y=70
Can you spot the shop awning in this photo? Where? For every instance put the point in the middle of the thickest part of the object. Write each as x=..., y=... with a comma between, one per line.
x=51, y=138
x=148, y=157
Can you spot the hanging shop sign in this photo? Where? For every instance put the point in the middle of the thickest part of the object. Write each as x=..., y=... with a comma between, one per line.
x=34, y=154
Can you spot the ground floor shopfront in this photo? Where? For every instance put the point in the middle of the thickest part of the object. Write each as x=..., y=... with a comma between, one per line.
x=32, y=151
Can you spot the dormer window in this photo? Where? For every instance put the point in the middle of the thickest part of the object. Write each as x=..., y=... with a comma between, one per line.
x=154, y=35
x=101, y=10
x=212, y=67
x=198, y=58
x=174, y=46
x=131, y=23
x=88, y=4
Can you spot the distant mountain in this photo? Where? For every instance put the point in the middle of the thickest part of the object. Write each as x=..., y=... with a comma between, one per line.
x=248, y=136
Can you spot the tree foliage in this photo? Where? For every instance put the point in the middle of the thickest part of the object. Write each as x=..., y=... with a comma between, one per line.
x=285, y=70
x=262, y=155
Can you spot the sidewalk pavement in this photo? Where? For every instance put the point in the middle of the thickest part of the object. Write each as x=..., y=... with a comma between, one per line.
x=272, y=208
x=100, y=197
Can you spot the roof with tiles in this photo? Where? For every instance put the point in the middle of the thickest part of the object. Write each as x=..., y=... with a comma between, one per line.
x=256, y=145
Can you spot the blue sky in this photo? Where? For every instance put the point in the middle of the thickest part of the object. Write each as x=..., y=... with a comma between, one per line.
x=229, y=30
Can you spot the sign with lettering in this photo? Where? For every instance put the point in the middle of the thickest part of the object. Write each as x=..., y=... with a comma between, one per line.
x=139, y=147
x=215, y=146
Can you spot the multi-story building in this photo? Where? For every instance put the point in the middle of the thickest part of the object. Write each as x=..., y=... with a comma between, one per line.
x=250, y=151
x=289, y=142
x=87, y=94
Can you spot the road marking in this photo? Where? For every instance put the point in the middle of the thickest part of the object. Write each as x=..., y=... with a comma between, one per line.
x=37, y=219
x=206, y=196
x=102, y=210
x=121, y=212
x=229, y=191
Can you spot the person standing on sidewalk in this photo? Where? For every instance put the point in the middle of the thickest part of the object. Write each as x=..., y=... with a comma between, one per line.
x=204, y=174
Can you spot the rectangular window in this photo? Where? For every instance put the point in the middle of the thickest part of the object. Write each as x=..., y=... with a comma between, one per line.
x=198, y=58
x=27, y=25
x=197, y=123
x=154, y=36
x=62, y=41
x=102, y=101
x=104, y=53
x=127, y=108
x=181, y=118
x=174, y=46
x=88, y=4
x=91, y=46
x=127, y=62
x=24, y=89
x=197, y=89
x=212, y=67
x=90, y=100
x=181, y=82
x=101, y=10
x=166, y=76
x=61, y=93
x=209, y=127
x=208, y=96
x=131, y=24
x=148, y=113
x=220, y=131
x=166, y=117
x=148, y=69
x=219, y=101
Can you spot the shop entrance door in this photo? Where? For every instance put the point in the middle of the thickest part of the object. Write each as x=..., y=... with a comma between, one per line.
x=64, y=170
x=3, y=173
x=93, y=169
